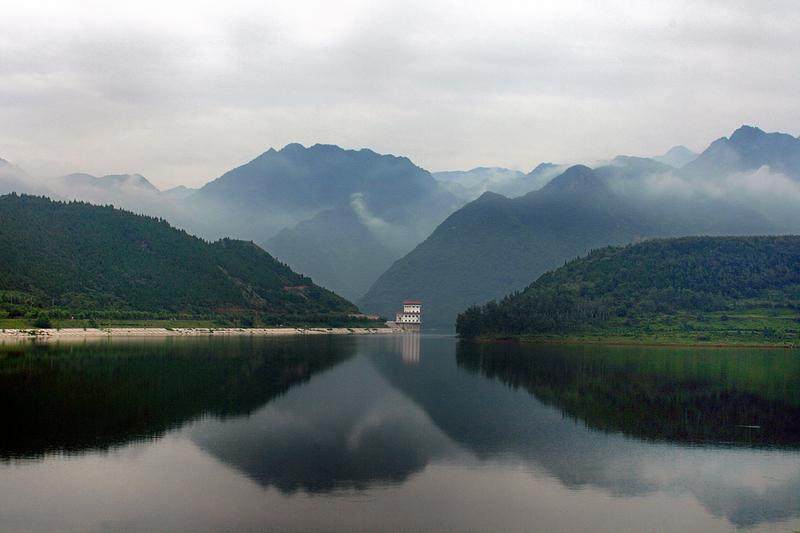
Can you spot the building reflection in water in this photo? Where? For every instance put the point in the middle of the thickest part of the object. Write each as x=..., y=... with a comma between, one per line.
x=411, y=352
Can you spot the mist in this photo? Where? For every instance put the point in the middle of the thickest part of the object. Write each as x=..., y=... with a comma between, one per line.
x=772, y=195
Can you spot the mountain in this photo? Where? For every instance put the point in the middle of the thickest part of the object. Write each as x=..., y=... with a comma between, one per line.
x=470, y=184
x=180, y=192
x=110, y=183
x=492, y=245
x=478, y=176
x=309, y=205
x=496, y=245
x=540, y=176
x=726, y=284
x=80, y=259
x=746, y=150
x=336, y=249
x=282, y=188
x=15, y=179
x=676, y=157
x=624, y=167
x=126, y=191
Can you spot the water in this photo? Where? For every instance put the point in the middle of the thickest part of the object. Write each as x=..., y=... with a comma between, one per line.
x=396, y=433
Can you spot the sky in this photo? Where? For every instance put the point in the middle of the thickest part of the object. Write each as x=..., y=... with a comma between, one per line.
x=183, y=91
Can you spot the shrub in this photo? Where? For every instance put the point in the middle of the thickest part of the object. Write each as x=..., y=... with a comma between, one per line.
x=42, y=320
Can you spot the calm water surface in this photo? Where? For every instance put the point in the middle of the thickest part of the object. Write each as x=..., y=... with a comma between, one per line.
x=396, y=433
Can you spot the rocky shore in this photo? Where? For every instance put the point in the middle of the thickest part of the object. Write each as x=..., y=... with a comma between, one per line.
x=73, y=333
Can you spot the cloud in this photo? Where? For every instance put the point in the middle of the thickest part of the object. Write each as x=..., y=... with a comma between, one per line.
x=182, y=91
x=388, y=233
x=773, y=194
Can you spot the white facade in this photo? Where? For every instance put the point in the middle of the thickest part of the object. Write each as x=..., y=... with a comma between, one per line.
x=412, y=308
x=408, y=318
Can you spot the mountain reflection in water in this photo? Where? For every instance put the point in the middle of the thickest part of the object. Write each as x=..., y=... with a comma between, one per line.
x=324, y=415
x=74, y=397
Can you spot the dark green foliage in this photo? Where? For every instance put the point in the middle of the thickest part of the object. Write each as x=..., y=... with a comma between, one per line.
x=42, y=321
x=733, y=397
x=76, y=259
x=77, y=397
x=636, y=284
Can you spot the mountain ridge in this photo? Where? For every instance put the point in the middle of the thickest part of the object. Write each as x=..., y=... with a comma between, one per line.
x=655, y=284
x=496, y=245
x=98, y=260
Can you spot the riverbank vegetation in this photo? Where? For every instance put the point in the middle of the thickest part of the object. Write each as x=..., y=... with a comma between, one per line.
x=704, y=290
x=80, y=264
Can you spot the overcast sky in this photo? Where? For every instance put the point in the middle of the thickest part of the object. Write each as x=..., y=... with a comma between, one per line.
x=182, y=91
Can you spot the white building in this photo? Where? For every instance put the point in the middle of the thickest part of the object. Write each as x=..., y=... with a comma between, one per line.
x=412, y=307
x=411, y=315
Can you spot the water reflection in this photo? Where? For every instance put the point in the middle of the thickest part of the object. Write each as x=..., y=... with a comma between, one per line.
x=411, y=351
x=743, y=397
x=347, y=429
x=364, y=415
x=82, y=396
x=603, y=393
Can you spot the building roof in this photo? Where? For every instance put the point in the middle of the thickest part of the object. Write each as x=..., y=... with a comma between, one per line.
x=412, y=302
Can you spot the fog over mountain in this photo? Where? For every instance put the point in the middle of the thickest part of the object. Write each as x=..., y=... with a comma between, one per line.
x=496, y=245
x=14, y=179
x=343, y=217
x=750, y=168
x=340, y=216
x=470, y=184
x=676, y=157
x=748, y=149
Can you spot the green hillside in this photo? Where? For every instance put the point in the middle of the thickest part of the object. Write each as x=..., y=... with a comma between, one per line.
x=77, y=259
x=704, y=289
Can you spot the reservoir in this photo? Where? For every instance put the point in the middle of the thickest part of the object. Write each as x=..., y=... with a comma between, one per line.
x=387, y=433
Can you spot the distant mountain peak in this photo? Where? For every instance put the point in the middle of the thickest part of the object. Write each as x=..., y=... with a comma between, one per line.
x=746, y=133
x=624, y=160
x=489, y=196
x=747, y=149
x=541, y=167
x=291, y=147
x=576, y=171
x=678, y=149
x=110, y=181
x=576, y=178
x=677, y=156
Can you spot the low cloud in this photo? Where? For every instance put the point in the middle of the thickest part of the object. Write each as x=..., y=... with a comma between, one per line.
x=773, y=194
x=119, y=89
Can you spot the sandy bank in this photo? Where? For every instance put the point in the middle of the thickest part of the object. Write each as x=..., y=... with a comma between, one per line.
x=73, y=333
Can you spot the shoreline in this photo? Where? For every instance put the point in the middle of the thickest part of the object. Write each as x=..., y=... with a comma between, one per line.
x=643, y=343
x=40, y=334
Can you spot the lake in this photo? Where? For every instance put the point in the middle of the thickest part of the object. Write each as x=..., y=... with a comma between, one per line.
x=411, y=432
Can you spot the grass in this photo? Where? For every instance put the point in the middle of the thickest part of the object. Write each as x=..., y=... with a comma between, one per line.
x=21, y=323
x=752, y=327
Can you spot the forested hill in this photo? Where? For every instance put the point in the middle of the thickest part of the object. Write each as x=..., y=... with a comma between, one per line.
x=80, y=259
x=724, y=286
x=495, y=245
